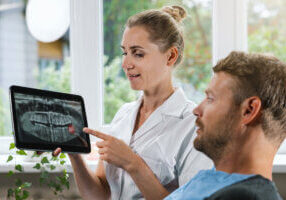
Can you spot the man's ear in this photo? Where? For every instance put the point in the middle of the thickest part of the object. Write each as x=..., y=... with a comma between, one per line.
x=251, y=110
x=172, y=56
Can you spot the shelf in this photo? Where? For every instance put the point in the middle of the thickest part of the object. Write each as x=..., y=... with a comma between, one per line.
x=278, y=167
x=28, y=165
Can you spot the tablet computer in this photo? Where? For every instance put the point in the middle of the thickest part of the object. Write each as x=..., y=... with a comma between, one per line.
x=44, y=120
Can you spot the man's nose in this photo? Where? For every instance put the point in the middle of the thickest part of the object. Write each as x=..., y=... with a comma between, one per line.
x=197, y=111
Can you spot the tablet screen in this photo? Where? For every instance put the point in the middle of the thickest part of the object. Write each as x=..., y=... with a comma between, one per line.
x=44, y=120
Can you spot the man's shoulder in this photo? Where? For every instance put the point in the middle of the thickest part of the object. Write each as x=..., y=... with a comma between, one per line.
x=256, y=188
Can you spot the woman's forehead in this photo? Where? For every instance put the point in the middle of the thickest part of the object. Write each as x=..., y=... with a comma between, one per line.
x=135, y=36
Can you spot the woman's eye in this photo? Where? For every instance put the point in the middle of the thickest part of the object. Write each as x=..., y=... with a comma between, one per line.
x=137, y=54
x=209, y=99
x=140, y=55
x=124, y=53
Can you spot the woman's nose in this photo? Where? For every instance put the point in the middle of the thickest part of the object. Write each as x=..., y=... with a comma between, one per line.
x=126, y=63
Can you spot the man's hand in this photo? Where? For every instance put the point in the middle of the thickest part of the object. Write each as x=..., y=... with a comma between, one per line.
x=115, y=151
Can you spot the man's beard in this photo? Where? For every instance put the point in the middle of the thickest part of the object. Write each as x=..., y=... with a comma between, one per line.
x=215, y=144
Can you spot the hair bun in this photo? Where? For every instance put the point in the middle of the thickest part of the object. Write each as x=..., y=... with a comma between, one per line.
x=177, y=12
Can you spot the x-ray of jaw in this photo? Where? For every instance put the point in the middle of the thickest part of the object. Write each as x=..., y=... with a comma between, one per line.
x=49, y=120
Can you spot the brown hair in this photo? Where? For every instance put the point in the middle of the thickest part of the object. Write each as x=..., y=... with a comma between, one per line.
x=263, y=76
x=163, y=27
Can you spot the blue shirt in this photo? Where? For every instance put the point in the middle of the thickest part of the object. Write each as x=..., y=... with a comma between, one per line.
x=205, y=183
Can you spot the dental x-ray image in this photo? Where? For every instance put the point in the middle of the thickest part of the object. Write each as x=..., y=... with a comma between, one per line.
x=48, y=120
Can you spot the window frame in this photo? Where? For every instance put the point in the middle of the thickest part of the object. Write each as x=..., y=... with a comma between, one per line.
x=229, y=32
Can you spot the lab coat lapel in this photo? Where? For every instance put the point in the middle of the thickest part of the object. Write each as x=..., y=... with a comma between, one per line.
x=128, y=129
x=172, y=107
x=153, y=120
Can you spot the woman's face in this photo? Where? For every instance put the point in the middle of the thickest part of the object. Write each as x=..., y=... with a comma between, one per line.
x=143, y=63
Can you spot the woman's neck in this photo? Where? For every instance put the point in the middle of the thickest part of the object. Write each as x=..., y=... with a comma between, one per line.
x=152, y=99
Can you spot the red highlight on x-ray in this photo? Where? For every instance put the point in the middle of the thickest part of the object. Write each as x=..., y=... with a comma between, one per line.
x=71, y=129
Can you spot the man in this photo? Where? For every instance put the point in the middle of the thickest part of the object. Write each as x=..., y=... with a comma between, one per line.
x=241, y=124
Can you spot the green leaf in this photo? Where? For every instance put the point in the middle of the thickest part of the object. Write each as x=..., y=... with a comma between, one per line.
x=44, y=174
x=54, y=158
x=25, y=194
x=10, y=173
x=62, y=162
x=21, y=152
x=44, y=160
x=62, y=156
x=9, y=158
x=37, y=166
x=18, y=197
x=19, y=168
x=26, y=185
x=52, y=167
x=67, y=184
x=44, y=177
x=18, y=183
x=35, y=155
x=59, y=178
x=17, y=191
x=42, y=181
x=12, y=146
x=10, y=192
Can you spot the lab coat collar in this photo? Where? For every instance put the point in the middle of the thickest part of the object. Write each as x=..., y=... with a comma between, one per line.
x=175, y=104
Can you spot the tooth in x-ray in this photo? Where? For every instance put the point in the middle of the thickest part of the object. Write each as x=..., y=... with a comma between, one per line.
x=49, y=119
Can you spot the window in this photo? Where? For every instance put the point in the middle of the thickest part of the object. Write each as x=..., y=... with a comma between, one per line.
x=220, y=24
x=192, y=74
x=26, y=61
x=267, y=27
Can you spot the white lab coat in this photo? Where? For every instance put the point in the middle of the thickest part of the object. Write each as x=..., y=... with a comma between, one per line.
x=164, y=141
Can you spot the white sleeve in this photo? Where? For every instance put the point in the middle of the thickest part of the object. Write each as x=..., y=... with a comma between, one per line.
x=192, y=164
x=190, y=160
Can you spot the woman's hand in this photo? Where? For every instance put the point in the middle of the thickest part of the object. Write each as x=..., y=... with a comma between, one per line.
x=115, y=151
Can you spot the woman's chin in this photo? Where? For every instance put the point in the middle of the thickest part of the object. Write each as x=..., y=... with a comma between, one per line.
x=136, y=87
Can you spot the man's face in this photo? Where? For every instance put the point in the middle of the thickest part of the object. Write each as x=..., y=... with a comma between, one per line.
x=217, y=117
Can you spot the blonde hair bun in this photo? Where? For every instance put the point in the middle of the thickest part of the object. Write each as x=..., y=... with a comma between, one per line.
x=177, y=12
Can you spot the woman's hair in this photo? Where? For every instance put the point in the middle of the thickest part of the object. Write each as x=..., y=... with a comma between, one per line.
x=163, y=26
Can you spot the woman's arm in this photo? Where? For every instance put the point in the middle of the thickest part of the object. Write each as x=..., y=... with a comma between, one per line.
x=116, y=152
x=145, y=179
x=91, y=185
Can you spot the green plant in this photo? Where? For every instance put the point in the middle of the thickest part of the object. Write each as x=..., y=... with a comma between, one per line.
x=57, y=184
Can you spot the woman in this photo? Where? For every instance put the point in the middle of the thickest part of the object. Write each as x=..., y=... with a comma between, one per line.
x=148, y=151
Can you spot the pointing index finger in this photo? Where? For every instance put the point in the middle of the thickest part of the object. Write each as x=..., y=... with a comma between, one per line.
x=96, y=133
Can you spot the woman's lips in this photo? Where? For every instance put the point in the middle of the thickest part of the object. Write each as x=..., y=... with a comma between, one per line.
x=133, y=76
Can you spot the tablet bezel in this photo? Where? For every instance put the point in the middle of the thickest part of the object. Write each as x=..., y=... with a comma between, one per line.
x=46, y=93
